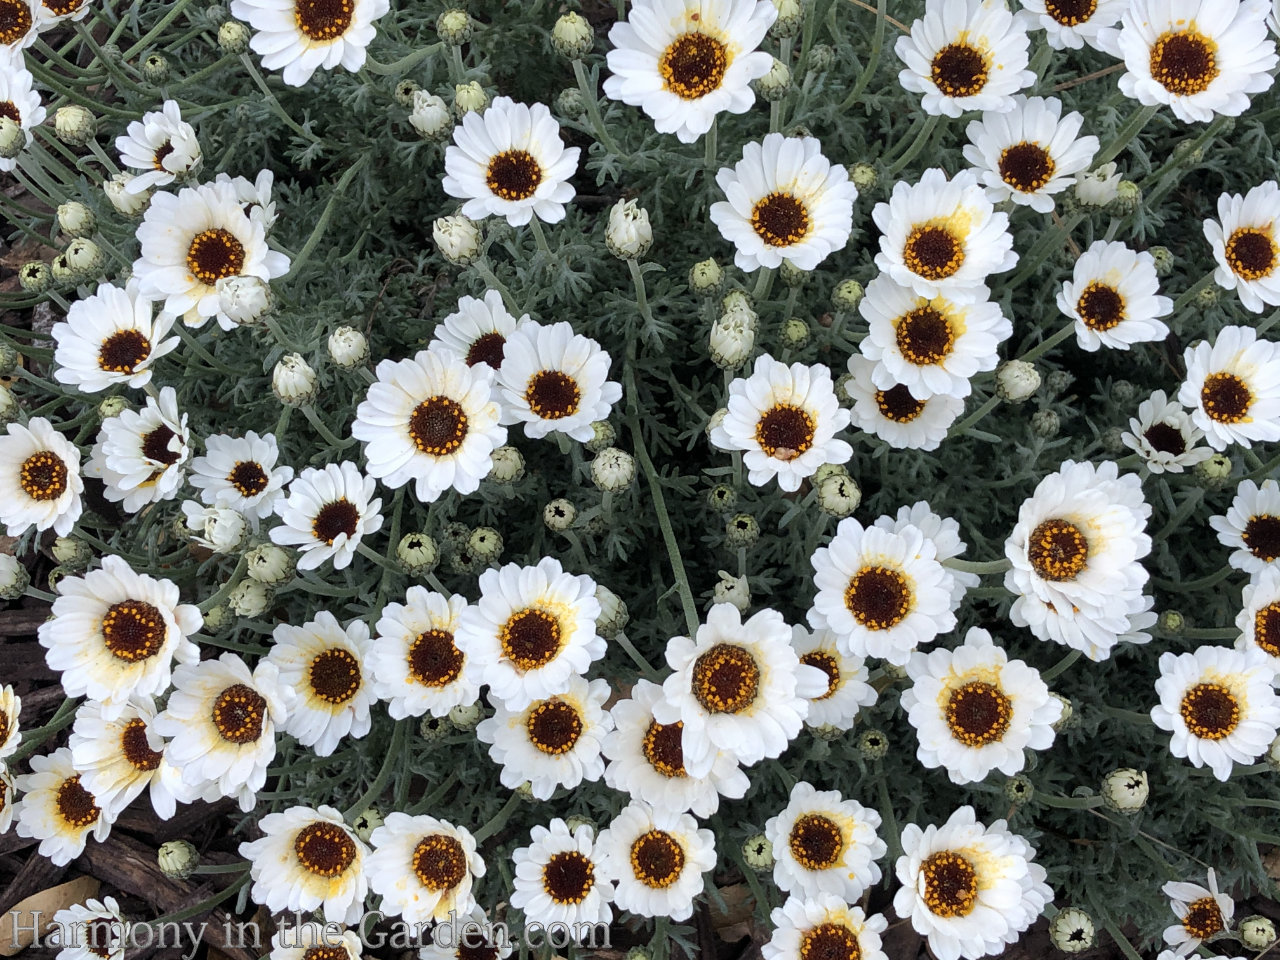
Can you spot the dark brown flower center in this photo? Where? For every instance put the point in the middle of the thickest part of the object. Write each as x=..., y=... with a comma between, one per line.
x=1166, y=438
x=979, y=713
x=726, y=679
x=657, y=859
x=780, y=220
x=487, y=348
x=123, y=351
x=1225, y=397
x=878, y=598
x=897, y=404
x=552, y=395
x=15, y=21
x=62, y=8
x=1203, y=919
x=434, y=659
x=440, y=862
x=554, y=727
x=334, y=519
x=514, y=175
x=1058, y=550
x=165, y=149
x=1266, y=631
x=324, y=849
x=239, y=714
x=6, y=725
x=135, y=748
x=959, y=70
x=1026, y=167
x=924, y=336
x=1071, y=13
x=43, y=476
x=950, y=884
x=133, y=630
x=156, y=445
x=323, y=20
x=214, y=255
x=663, y=747
x=248, y=477
x=1262, y=536
x=1100, y=307
x=76, y=805
x=530, y=638
x=830, y=941
x=334, y=676
x=1210, y=711
x=693, y=65
x=816, y=842
x=101, y=935
x=1251, y=253
x=1184, y=63
x=568, y=877
x=10, y=109
x=326, y=953
x=438, y=426
x=828, y=665
x=785, y=431
x=934, y=253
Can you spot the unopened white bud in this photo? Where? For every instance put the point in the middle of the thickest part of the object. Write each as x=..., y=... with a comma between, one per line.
x=705, y=277
x=71, y=551
x=76, y=220
x=559, y=515
x=249, y=598
x=1126, y=790
x=418, y=554
x=572, y=36
x=454, y=27
x=734, y=590
x=269, y=564
x=1016, y=380
x=74, y=125
x=468, y=97
x=1072, y=930
x=457, y=238
x=775, y=84
x=233, y=37
x=1257, y=932
x=1098, y=187
x=602, y=436
x=404, y=92
x=847, y=295
x=485, y=544
x=366, y=822
x=613, y=613
x=790, y=19
x=628, y=235
x=126, y=203
x=177, y=859
x=431, y=116
x=508, y=465
x=613, y=469
x=348, y=347
x=84, y=259
x=466, y=716
x=13, y=139
x=839, y=496
x=733, y=338
x=220, y=529
x=14, y=578
x=35, y=276
x=244, y=300
x=293, y=380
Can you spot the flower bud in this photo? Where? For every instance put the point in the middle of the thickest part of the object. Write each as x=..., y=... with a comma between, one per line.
x=1214, y=472
x=1019, y=789
x=126, y=204
x=1208, y=297
x=244, y=300
x=8, y=406
x=63, y=275
x=706, y=277
x=35, y=276
x=613, y=613
x=418, y=554
x=1067, y=718
x=757, y=852
x=14, y=578
x=1257, y=933
x=219, y=529
x=734, y=590
x=572, y=36
x=84, y=259
x=454, y=27
x=249, y=598
x=1171, y=623
x=269, y=564
x=821, y=57
x=741, y=530
x=559, y=515
x=1098, y=187
x=76, y=220
x=628, y=235
x=155, y=68
x=457, y=238
x=1127, y=199
x=569, y=103
x=1125, y=790
x=74, y=125
x=456, y=535
x=1113, y=440
x=233, y=37
x=13, y=139
x=216, y=14
x=485, y=544
x=217, y=618
x=602, y=436
x=177, y=859
x=793, y=276
x=1072, y=930
x=468, y=97
x=722, y=498
x=432, y=728
x=466, y=716
x=113, y=407
x=790, y=19
x=639, y=952
x=71, y=551
x=847, y=295
x=828, y=470
x=828, y=732
x=795, y=332
x=293, y=380
x=1122, y=391
x=366, y=822
x=508, y=465
x=717, y=418
x=773, y=86
x=873, y=744
x=613, y=470
x=1272, y=757
x=430, y=116
x=1045, y=424
x=348, y=347
x=525, y=792
x=1164, y=258
x=404, y=92
x=733, y=338
x=839, y=496
x=1016, y=380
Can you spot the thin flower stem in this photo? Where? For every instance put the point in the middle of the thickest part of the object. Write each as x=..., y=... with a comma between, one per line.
x=491, y=280
x=924, y=133
x=204, y=354
x=709, y=146
x=457, y=69
x=53, y=82
x=225, y=590
x=1121, y=941
x=764, y=280
x=155, y=31
x=593, y=108
x=622, y=640
x=1059, y=335
x=1042, y=248
x=404, y=64
x=1125, y=135
x=978, y=566
x=384, y=774
x=1210, y=633
x=274, y=104
x=540, y=237
x=893, y=834
x=322, y=428
x=1192, y=292
x=32, y=740
x=204, y=905
x=498, y=820
x=1061, y=666
x=323, y=223
x=974, y=417
x=642, y=298
x=877, y=43
x=1068, y=803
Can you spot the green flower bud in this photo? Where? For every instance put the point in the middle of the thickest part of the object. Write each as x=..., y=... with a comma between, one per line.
x=14, y=578
x=8, y=406
x=828, y=470
x=793, y=276
x=84, y=259
x=466, y=716
x=418, y=554
x=74, y=125
x=613, y=470
x=525, y=793
x=741, y=530
x=177, y=859
x=569, y=103
x=217, y=618
x=366, y=822
x=873, y=744
x=1045, y=424
x=757, y=852
x=1128, y=197
x=1019, y=789
x=508, y=465
x=789, y=21
x=454, y=27
x=864, y=177
x=827, y=732
x=795, y=333
x=1215, y=472
x=1172, y=623
x=113, y=407
x=574, y=822
x=722, y=498
x=58, y=573
x=1058, y=382
x=1208, y=297
x=468, y=97
x=485, y=544
x=34, y=276
x=1122, y=391
x=847, y=295
x=216, y=14
x=13, y=139
x=432, y=729
x=233, y=37
x=613, y=613
x=773, y=86
x=1164, y=259
x=1072, y=930
x=559, y=515
x=404, y=92
x=155, y=68
x=1113, y=440
x=457, y=239
x=76, y=220
x=821, y=57
x=602, y=437
x=9, y=359
x=706, y=277
x=71, y=551
x=572, y=36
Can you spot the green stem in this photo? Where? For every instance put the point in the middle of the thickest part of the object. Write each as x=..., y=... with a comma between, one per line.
x=974, y=417
x=1210, y=633
x=593, y=109
x=273, y=103
x=1048, y=343
x=322, y=428
x=236, y=576
x=642, y=298
x=384, y=774
x=978, y=566
x=32, y=740
x=498, y=820
x=1069, y=803
x=1125, y=134
x=873, y=60
x=892, y=834
x=924, y=132
x=1192, y=292
x=764, y=280
x=709, y=146
x=323, y=223
x=204, y=905
x=397, y=67
x=1058, y=668
x=1121, y=941
x=540, y=236
x=622, y=640
x=491, y=280
x=1042, y=248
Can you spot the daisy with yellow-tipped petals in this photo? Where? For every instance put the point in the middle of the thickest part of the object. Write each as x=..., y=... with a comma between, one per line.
x=823, y=843
x=657, y=858
x=415, y=664
x=40, y=482
x=821, y=927
x=58, y=810
x=1247, y=246
x=557, y=878
x=122, y=757
x=423, y=868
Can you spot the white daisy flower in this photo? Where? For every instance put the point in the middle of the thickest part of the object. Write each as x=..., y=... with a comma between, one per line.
x=809, y=928
x=299, y=37
x=18, y=22
x=40, y=482
x=423, y=868
x=1075, y=554
x=141, y=455
x=1200, y=57
x=478, y=330
x=109, y=338
x=1070, y=24
x=555, y=381
x=683, y=62
x=557, y=879
x=254, y=196
x=532, y=629
x=737, y=687
x=240, y=473
x=974, y=710
x=1246, y=245
x=162, y=145
x=476, y=937
x=785, y=418
x=1202, y=914
x=881, y=592
x=10, y=730
x=221, y=720
x=1029, y=153
x=312, y=940
x=1233, y=388
x=1164, y=436
x=944, y=533
x=553, y=742
x=965, y=55
x=895, y=414
x=657, y=859
x=8, y=799
x=930, y=345
x=18, y=98
x=325, y=664
x=114, y=634
x=308, y=859
x=646, y=760
x=1219, y=705
x=943, y=237
x=968, y=888
x=1259, y=618
x=327, y=513
x=219, y=529
x=847, y=689
x=1251, y=527
x=93, y=930
x=57, y=810
x=823, y=843
x=191, y=240
x=509, y=161
x=784, y=201
x=121, y=757
x=432, y=419
x=1113, y=297
x=415, y=664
